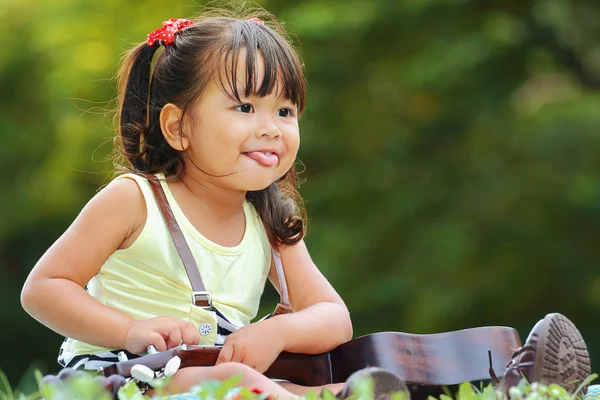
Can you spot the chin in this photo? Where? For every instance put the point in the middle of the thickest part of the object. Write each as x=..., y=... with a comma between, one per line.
x=255, y=183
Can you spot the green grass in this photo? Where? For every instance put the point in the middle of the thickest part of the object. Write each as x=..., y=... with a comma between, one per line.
x=87, y=387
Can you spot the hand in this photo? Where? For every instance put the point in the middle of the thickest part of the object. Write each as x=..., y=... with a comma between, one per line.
x=161, y=332
x=256, y=345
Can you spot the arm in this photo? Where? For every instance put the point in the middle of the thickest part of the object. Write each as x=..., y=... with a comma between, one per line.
x=319, y=312
x=320, y=322
x=54, y=294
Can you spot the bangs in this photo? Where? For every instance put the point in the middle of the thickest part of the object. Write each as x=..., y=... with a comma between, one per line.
x=282, y=68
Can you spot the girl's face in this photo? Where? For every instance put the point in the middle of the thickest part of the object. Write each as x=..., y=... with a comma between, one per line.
x=242, y=146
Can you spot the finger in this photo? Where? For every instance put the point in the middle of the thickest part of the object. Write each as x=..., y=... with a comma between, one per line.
x=172, y=333
x=249, y=361
x=237, y=355
x=158, y=341
x=225, y=354
x=189, y=333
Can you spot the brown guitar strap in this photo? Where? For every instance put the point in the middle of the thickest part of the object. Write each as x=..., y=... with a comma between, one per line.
x=200, y=296
x=284, y=303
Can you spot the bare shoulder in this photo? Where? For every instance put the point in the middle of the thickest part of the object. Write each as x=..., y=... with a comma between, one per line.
x=123, y=196
x=122, y=188
x=106, y=223
x=123, y=200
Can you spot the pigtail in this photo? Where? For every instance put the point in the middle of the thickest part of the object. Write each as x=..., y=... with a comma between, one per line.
x=281, y=210
x=134, y=103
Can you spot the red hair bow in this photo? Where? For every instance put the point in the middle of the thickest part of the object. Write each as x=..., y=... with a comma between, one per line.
x=166, y=34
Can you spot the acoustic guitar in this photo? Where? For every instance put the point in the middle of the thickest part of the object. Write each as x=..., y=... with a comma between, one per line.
x=426, y=363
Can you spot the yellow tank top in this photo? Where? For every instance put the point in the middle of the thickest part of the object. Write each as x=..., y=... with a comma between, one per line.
x=148, y=279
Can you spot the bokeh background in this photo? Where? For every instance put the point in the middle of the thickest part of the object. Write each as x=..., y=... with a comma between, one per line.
x=451, y=152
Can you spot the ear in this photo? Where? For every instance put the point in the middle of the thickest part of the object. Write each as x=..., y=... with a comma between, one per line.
x=171, y=125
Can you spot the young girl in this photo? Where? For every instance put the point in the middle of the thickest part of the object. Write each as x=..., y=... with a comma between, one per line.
x=209, y=109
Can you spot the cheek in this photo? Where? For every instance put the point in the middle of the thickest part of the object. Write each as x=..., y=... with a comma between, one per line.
x=228, y=138
x=291, y=138
x=217, y=143
x=293, y=144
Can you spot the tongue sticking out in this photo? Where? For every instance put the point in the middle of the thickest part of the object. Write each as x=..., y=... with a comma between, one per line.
x=263, y=158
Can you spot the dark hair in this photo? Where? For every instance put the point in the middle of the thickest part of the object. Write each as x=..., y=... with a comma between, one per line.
x=180, y=72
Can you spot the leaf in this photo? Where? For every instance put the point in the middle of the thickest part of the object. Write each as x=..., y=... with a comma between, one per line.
x=363, y=388
x=5, y=388
x=311, y=395
x=38, y=376
x=226, y=385
x=447, y=391
x=488, y=393
x=84, y=386
x=466, y=391
x=130, y=392
x=584, y=384
x=400, y=396
x=327, y=395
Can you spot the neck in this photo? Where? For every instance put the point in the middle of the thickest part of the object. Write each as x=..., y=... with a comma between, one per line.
x=222, y=201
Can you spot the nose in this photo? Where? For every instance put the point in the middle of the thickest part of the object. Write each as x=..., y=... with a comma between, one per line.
x=268, y=129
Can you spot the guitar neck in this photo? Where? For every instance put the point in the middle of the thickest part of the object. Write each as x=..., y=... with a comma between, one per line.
x=153, y=361
x=303, y=369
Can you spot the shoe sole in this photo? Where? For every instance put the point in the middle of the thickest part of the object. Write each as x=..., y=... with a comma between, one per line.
x=561, y=355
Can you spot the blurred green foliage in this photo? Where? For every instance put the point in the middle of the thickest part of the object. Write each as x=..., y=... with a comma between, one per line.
x=451, y=152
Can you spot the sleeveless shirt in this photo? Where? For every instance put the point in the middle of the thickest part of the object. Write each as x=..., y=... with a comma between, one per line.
x=148, y=279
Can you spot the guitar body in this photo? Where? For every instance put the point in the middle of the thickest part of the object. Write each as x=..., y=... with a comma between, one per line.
x=428, y=362
x=425, y=362
x=436, y=359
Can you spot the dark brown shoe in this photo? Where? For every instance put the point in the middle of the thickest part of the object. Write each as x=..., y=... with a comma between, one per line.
x=385, y=384
x=554, y=352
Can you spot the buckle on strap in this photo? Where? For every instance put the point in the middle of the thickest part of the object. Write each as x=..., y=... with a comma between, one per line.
x=202, y=299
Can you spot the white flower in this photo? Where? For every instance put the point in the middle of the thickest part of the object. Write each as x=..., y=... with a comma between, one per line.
x=534, y=396
x=515, y=393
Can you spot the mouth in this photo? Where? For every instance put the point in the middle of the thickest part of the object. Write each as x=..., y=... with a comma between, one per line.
x=266, y=158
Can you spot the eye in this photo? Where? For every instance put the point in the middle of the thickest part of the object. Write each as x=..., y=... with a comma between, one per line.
x=285, y=112
x=245, y=108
